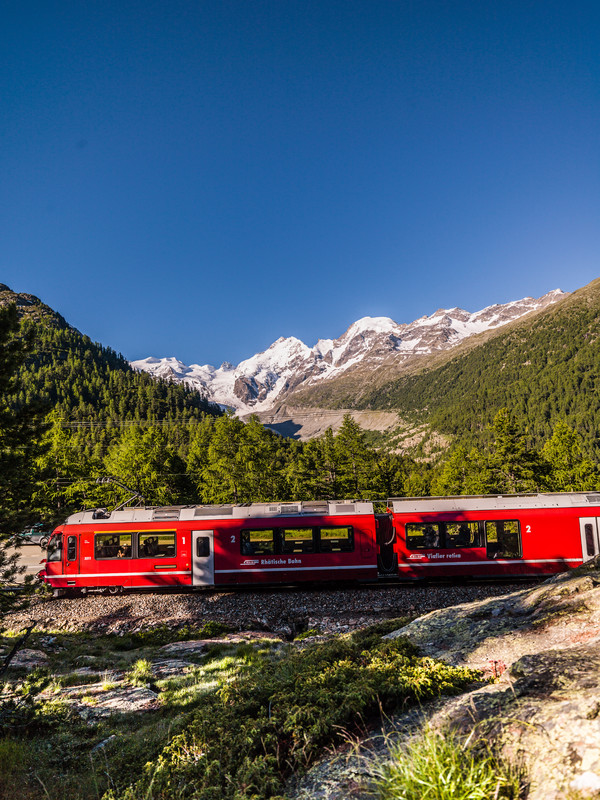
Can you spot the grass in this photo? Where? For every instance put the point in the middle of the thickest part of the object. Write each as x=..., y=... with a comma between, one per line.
x=141, y=673
x=11, y=759
x=440, y=766
x=307, y=634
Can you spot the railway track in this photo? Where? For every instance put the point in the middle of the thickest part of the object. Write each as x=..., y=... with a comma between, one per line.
x=282, y=610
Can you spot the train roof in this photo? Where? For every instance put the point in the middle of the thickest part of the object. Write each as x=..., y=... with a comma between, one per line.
x=457, y=503
x=220, y=512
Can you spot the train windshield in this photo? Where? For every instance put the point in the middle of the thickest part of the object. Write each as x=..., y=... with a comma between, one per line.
x=55, y=546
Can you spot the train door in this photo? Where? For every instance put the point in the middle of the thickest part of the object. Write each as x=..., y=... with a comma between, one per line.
x=387, y=560
x=203, y=558
x=590, y=539
x=71, y=554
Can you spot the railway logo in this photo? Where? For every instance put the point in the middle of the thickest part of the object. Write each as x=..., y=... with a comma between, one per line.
x=249, y=562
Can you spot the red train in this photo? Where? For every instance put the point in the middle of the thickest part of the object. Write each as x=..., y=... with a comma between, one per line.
x=270, y=543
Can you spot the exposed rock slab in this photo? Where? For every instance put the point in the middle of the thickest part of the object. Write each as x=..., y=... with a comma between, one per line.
x=28, y=659
x=96, y=701
x=546, y=708
x=493, y=633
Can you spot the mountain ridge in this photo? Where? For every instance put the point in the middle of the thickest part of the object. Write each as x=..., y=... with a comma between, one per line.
x=288, y=366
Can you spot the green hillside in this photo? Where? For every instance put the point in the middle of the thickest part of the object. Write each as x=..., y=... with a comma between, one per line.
x=85, y=382
x=544, y=369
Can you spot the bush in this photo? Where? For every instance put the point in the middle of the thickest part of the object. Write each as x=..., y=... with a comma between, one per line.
x=277, y=715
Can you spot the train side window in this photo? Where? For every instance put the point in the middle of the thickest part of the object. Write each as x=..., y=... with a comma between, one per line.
x=503, y=538
x=71, y=548
x=55, y=548
x=112, y=545
x=462, y=534
x=422, y=535
x=590, y=544
x=297, y=540
x=202, y=547
x=336, y=540
x=158, y=544
x=257, y=542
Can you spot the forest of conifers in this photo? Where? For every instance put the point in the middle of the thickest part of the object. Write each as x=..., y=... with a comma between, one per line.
x=81, y=414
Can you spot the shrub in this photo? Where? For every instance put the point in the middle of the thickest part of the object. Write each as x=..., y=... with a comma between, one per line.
x=277, y=715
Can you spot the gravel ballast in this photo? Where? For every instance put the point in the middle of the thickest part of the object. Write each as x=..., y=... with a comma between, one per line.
x=284, y=611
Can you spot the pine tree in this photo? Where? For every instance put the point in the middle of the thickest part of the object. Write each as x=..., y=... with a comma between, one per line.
x=353, y=458
x=197, y=459
x=303, y=471
x=515, y=467
x=568, y=469
x=225, y=470
x=257, y=453
x=64, y=472
x=465, y=472
x=328, y=483
x=144, y=462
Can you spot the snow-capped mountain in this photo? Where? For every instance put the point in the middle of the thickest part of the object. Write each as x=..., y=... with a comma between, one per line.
x=267, y=378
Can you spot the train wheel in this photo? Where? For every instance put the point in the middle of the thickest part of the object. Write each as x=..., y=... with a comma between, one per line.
x=115, y=589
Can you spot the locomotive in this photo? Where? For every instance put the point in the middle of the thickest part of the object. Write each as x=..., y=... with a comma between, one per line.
x=213, y=546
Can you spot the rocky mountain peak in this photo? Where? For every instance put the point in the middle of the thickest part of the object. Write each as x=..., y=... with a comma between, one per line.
x=270, y=377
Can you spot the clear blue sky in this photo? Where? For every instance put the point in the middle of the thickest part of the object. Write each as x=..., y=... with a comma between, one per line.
x=198, y=178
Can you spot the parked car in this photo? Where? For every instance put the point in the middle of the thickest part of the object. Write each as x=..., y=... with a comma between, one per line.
x=39, y=533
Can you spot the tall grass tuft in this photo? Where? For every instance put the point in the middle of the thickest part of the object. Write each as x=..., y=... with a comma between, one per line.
x=141, y=673
x=440, y=766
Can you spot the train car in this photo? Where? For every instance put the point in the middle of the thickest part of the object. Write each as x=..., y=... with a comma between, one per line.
x=212, y=546
x=194, y=547
x=495, y=536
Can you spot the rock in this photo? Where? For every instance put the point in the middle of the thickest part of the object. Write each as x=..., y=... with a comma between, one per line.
x=169, y=668
x=29, y=659
x=199, y=646
x=193, y=647
x=101, y=745
x=285, y=631
x=98, y=702
x=341, y=778
x=587, y=782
